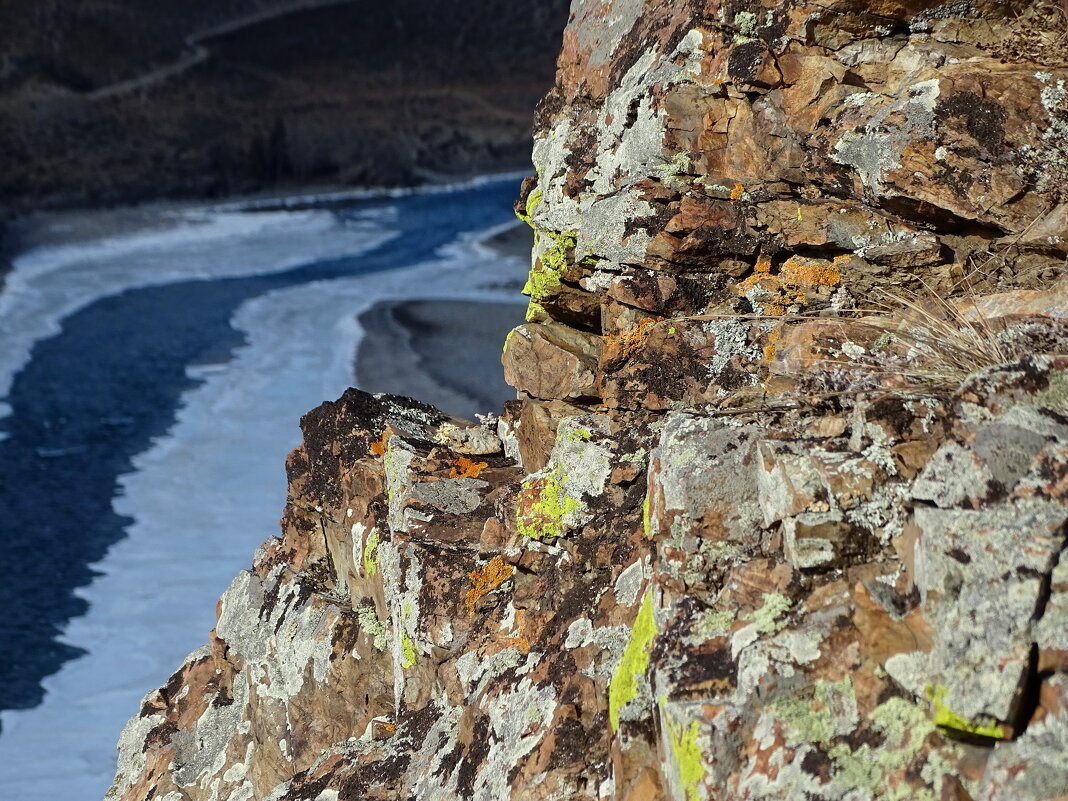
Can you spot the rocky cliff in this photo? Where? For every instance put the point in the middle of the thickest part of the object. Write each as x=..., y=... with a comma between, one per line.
x=781, y=507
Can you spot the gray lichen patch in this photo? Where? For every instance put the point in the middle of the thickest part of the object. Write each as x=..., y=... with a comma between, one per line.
x=982, y=639
x=887, y=129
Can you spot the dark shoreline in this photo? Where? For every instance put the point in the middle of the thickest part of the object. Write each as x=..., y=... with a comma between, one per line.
x=443, y=352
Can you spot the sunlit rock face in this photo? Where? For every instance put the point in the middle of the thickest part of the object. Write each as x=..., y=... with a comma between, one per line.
x=780, y=511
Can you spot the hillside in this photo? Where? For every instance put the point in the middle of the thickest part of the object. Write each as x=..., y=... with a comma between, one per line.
x=106, y=103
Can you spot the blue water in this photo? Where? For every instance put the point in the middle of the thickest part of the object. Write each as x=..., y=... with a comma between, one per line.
x=96, y=394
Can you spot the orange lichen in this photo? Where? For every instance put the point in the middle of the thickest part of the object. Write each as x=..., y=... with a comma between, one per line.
x=800, y=272
x=761, y=273
x=467, y=468
x=789, y=285
x=486, y=579
x=737, y=191
x=627, y=342
x=769, y=349
x=379, y=446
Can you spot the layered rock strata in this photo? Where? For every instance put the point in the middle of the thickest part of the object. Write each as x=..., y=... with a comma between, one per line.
x=781, y=508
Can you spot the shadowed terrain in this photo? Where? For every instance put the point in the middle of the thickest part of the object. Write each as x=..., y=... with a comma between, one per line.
x=105, y=102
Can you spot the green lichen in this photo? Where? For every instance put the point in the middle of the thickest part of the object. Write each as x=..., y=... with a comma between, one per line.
x=507, y=339
x=370, y=554
x=552, y=503
x=714, y=623
x=408, y=650
x=688, y=760
x=1056, y=396
x=634, y=662
x=832, y=707
x=546, y=273
x=905, y=728
x=370, y=623
x=746, y=23
x=679, y=164
x=945, y=718
x=767, y=617
x=647, y=520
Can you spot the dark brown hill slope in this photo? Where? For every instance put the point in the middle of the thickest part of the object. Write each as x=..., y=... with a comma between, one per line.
x=107, y=102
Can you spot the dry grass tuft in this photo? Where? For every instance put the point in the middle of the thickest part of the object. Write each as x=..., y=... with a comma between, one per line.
x=944, y=341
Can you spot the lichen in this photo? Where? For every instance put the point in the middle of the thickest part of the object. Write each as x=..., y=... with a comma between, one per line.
x=767, y=617
x=830, y=711
x=370, y=554
x=689, y=762
x=547, y=505
x=486, y=579
x=408, y=650
x=714, y=623
x=1056, y=395
x=746, y=22
x=878, y=770
x=546, y=273
x=948, y=720
x=634, y=662
x=374, y=627
x=578, y=468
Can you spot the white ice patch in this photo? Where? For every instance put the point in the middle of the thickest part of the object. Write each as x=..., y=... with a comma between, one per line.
x=48, y=284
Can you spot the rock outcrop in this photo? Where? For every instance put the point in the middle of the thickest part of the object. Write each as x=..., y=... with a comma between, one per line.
x=781, y=508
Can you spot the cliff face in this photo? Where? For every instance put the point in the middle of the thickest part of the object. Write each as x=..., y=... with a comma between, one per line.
x=743, y=535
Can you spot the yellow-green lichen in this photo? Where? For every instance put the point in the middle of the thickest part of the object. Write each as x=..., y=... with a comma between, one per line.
x=544, y=517
x=634, y=662
x=533, y=199
x=545, y=274
x=688, y=760
x=370, y=554
x=507, y=339
x=534, y=311
x=407, y=650
x=945, y=718
x=647, y=520
x=767, y=618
